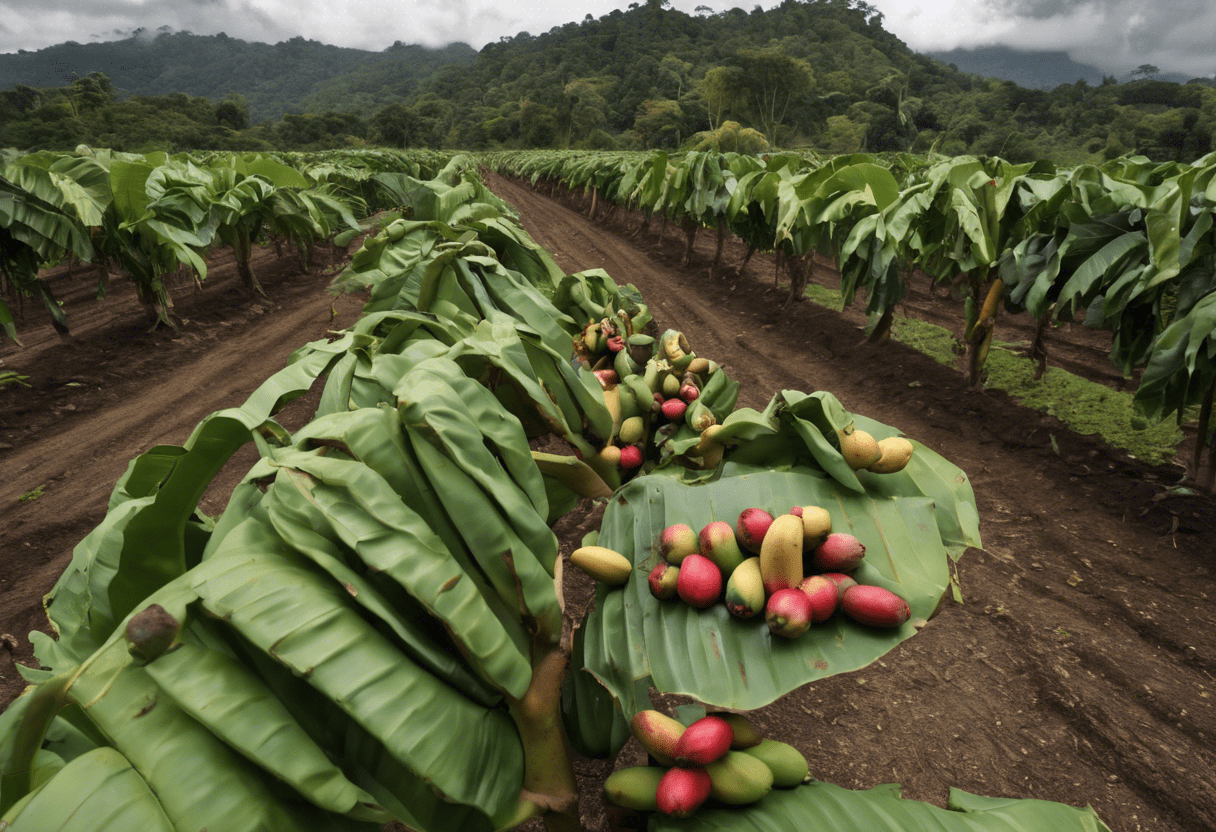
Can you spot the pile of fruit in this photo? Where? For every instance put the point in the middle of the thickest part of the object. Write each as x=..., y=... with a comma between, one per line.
x=720, y=757
x=664, y=399
x=792, y=568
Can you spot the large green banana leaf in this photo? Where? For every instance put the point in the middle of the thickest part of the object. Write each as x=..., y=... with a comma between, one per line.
x=822, y=806
x=912, y=523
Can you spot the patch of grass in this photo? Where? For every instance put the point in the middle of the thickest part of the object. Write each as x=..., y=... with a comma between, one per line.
x=30, y=496
x=824, y=296
x=934, y=341
x=1085, y=406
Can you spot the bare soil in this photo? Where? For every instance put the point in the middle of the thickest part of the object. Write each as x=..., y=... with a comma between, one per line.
x=1080, y=668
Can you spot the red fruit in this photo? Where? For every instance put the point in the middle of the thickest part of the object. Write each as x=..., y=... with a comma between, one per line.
x=700, y=581
x=751, y=527
x=662, y=580
x=796, y=511
x=631, y=457
x=689, y=393
x=704, y=741
x=616, y=343
x=824, y=597
x=840, y=552
x=682, y=791
x=874, y=606
x=678, y=542
x=788, y=613
x=607, y=378
x=841, y=580
x=673, y=409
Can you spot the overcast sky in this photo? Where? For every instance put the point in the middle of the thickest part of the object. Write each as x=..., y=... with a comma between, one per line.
x=1114, y=35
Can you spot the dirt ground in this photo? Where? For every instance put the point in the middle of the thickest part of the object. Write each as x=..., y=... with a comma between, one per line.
x=1081, y=667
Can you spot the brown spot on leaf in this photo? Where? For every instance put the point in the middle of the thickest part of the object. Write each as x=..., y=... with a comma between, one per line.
x=144, y=710
x=450, y=584
x=820, y=664
x=354, y=593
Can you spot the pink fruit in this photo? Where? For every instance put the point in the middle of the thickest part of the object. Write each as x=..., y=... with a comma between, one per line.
x=616, y=343
x=678, y=542
x=631, y=457
x=751, y=527
x=874, y=606
x=662, y=580
x=689, y=393
x=682, y=791
x=841, y=580
x=824, y=597
x=840, y=552
x=673, y=409
x=788, y=613
x=704, y=741
x=607, y=378
x=699, y=582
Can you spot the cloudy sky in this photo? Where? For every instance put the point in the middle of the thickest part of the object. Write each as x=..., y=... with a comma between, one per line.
x=1114, y=35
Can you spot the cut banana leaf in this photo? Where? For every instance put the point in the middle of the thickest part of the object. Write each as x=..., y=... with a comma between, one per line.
x=97, y=792
x=881, y=809
x=594, y=721
x=303, y=621
x=735, y=663
x=350, y=504
x=233, y=704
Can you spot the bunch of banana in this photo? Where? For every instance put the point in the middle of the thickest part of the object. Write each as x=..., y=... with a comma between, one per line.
x=720, y=757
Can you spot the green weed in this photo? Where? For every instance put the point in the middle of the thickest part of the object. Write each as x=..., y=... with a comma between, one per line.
x=30, y=496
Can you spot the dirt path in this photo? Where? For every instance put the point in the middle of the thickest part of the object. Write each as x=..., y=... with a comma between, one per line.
x=118, y=390
x=1081, y=667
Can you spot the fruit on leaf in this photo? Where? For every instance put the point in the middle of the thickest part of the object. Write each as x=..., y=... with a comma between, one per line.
x=689, y=392
x=745, y=733
x=841, y=580
x=816, y=525
x=673, y=409
x=699, y=582
x=631, y=457
x=632, y=430
x=839, y=552
x=738, y=778
x=602, y=563
x=788, y=613
x=751, y=527
x=824, y=597
x=678, y=542
x=635, y=787
x=874, y=606
x=859, y=449
x=896, y=453
x=745, y=590
x=787, y=764
x=681, y=791
x=704, y=741
x=662, y=581
x=658, y=734
x=781, y=554
x=718, y=543
x=616, y=343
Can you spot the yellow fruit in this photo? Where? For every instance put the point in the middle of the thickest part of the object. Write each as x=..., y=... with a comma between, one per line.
x=781, y=554
x=859, y=449
x=896, y=451
x=603, y=564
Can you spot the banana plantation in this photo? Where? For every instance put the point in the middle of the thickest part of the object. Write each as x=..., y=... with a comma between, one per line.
x=375, y=629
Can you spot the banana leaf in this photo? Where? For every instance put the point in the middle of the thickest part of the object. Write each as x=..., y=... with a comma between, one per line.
x=912, y=523
x=882, y=809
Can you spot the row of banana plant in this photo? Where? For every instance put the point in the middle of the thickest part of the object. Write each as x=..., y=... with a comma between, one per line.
x=1128, y=246
x=150, y=215
x=373, y=629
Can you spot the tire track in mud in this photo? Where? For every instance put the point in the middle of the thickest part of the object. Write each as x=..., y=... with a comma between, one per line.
x=1068, y=674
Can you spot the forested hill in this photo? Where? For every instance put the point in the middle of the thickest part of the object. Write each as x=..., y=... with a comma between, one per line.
x=297, y=75
x=818, y=74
